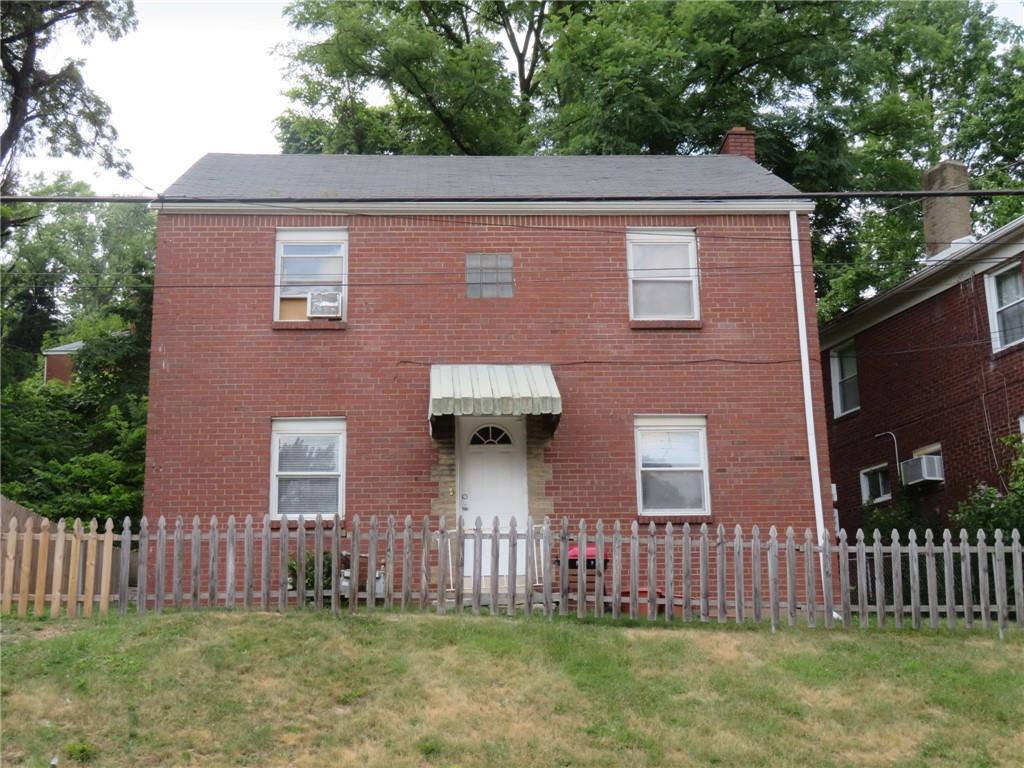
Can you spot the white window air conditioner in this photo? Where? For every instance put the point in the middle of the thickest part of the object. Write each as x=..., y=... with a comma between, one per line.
x=324, y=304
x=922, y=469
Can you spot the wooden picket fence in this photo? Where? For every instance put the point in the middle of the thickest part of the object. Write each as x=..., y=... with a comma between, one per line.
x=586, y=569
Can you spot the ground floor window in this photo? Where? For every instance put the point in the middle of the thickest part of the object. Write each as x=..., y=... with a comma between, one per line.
x=307, y=467
x=874, y=484
x=672, y=465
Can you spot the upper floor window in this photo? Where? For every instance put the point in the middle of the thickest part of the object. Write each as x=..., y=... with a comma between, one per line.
x=672, y=465
x=307, y=467
x=663, y=275
x=310, y=274
x=1005, y=292
x=489, y=276
x=845, y=395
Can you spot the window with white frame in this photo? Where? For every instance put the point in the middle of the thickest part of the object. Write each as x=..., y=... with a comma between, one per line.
x=310, y=274
x=874, y=484
x=307, y=467
x=663, y=275
x=672, y=465
x=845, y=395
x=489, y=276
x=1005, y=293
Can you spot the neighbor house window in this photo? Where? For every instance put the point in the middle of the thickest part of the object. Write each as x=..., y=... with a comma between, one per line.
x=308, y=467
x=1005, y=292
x=672, y=465
x=310, y=275
x=845, y=395
x=489, y=276
x=874, y=484
x=663, y=275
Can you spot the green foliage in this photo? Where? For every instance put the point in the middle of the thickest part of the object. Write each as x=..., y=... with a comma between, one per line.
x=904, y=513
x=310, y=573
x=843, y=95
x=82, y=751
x=987, y=508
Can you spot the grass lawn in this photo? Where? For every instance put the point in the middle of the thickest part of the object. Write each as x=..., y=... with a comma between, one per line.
x=309, y=689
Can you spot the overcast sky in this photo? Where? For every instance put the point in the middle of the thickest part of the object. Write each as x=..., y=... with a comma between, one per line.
x=197, y=76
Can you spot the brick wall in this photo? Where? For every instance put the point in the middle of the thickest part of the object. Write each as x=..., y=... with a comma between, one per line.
x=221, y=370
x=954, y=391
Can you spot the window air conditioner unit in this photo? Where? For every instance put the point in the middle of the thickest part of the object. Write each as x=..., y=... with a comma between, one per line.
x=923, y=469
x=324, y=304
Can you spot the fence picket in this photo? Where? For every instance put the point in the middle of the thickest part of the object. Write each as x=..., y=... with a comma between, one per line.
x=75, y=569
x=670, y=572
x=720, y=569
x=425, y=538
x=581, y=571
x=705, y=578
x=844, y=579
x=318, y=561
x=27, y=540
x=247, y=569
x=282, y=565
x=947, y=574
x=652, y=573
x=983, y=583
x=879, y=568
x=862, y=582
x=142, y=596
x=616, y=570
x=546, y=564
x=57, y=583
x=809, y=580
x=687, y=572
x=933, y=588
x=790, y=576
x=737, y=567
x=826, y=580
x=92, y=544
x=478, y=548
x=773, y=576
x=176, y=562
x=336, y=563
x=755, y=571
x=389, y=567
x=495, y=553
x=195, y=585
x=230, y=553
x=355, y=559
x=108, y=566
x=459, y=553
x=513, y=556
x=634, y=570
x=161, y=564
x=896, y=562
x=213, y=562
x=1018, y=578
x=999, y=568
x=531, y=566
x=966, y=579
x=563, y=568
x=371, y=565
x=10, y=553
x=43, y=562
x=300, y=563
x=265, y=544
x=406, y=563
x=123, y=575
x=914, y=566
x=442, y=566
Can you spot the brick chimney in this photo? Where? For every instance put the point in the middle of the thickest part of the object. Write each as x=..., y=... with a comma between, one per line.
x=945, y=218
x=738, y=141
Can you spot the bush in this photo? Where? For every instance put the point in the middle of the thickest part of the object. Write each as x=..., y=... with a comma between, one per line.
x=987, y=507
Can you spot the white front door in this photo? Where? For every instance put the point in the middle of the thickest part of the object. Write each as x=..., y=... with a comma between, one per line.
x=492, y=482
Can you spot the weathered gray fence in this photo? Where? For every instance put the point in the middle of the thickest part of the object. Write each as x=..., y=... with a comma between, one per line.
x=584, y=568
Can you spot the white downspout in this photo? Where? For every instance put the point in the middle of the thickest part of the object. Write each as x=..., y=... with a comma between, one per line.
x=805, y=371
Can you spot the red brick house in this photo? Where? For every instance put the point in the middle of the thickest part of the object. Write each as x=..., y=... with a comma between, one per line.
x=595, y=337
x=923, y=380
x=59, y=362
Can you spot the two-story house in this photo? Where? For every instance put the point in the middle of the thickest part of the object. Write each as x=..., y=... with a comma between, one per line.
x=924, y=379
x=597, y=337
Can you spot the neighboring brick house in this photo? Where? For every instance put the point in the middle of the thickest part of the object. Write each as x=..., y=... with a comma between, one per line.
x=59, y=362
x=933, y=366
x=486, y=335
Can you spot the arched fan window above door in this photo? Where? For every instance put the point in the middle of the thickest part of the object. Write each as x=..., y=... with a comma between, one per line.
x=490, y=435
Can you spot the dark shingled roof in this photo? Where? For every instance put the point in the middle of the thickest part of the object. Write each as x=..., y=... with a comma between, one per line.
x=417, y=177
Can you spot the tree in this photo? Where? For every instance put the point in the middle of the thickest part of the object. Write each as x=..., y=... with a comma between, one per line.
x=842, y=95
x=55, y=109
